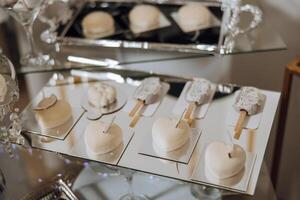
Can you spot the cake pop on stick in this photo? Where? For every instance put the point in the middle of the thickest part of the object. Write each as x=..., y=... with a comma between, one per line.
x=196, y=95
x=248, y=102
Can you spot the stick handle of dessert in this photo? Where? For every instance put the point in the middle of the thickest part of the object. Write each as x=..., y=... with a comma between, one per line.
x=135, y=119
x=137, y=106
x=250, y=140
x=231, y=146
x=136, y=116
x=189, y=111
x=239, y=125
x=110, y=123
x=180, y=118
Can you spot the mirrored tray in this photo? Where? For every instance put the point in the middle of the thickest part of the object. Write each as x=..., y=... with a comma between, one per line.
x=171, y=38
x=213, y=127
x=167, y=38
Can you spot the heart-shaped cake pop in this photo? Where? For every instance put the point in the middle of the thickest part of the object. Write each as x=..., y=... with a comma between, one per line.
x=101, y=139
x=167, y=136
x=224, y=160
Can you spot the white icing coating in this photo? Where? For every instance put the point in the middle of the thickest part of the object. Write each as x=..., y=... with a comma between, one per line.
x=193, y=15
x=102, y=95
x=249, y=99
x=148, y=90
x=198, y=91
x=98, y=24
x=219, y=164
x=3, y=88
x=167, y=137
x=100, y=142
x=46, y=103
x=144, y=16
x=55, y=115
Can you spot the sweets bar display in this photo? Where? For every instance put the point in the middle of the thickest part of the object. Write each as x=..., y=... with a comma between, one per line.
x=177, y=145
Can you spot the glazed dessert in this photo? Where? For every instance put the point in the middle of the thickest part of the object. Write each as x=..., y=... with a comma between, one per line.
x=249, y=102
x=52, y=112
x=98, y=24
x=146, y=93
x=102, y=138
x=193, y=15
x=144, y=17
x=249, y=99
x=197, y=94
x=3, y=88
x=224, y=160
x=168, y=136
x=198, y=91
x=148, y=90
x=102, y=95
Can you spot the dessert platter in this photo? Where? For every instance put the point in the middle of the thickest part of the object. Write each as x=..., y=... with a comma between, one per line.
x=141, y=129
x=185, y=26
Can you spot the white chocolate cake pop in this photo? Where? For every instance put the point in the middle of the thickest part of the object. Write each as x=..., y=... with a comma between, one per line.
x=146, y=93
x=3, y=88
x=248, y=102
x=249, y=99
x=148, y=90
x=102, y=95
x=52, y=112
x=198, y=91
x=220, y=164
x=193, y=15
x=167, y=137
x=98, y=24
x=102, y=138
x=196, y=95
x=144, y=17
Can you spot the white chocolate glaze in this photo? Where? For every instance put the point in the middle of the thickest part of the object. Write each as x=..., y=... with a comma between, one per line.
x=100, y=142
x=149, y=90
x=198, y=91
x=167, y=137
x=220, y=164
x=102, y=95
x=249, y=99
x=98, y=24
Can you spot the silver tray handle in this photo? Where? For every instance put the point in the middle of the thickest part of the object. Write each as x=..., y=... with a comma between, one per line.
x=235, y=19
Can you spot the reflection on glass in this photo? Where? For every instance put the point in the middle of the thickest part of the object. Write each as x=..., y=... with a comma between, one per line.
x=25, y=12
x=128, y=174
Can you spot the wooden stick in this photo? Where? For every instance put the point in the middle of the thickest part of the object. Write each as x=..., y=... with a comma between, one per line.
x=250, y=141
x=137, y=106
x=190, y=122
x=189, y=110
x=110, y=124
x=135, y=119
x=178, y=124
x=239, y=125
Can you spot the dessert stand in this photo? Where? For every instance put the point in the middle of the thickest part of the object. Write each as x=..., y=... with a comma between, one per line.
x=261, y=39
x=214, y=127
